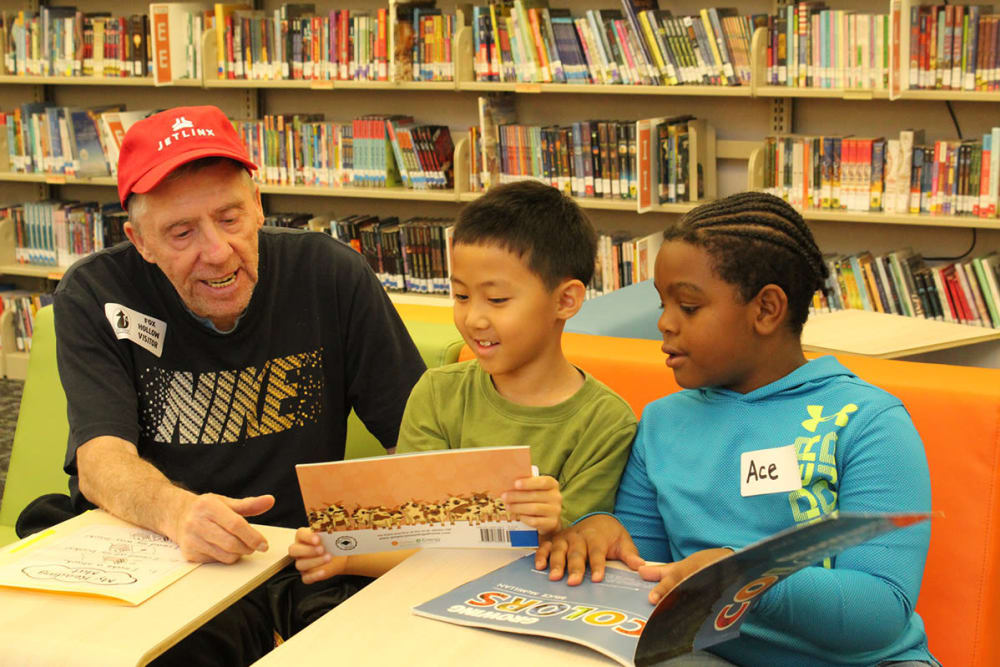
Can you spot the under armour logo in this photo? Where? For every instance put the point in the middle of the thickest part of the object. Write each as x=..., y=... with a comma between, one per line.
x=180, y=124
x=840, y=418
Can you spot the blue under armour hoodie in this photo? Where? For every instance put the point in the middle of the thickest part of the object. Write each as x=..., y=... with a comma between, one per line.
x=857, y=451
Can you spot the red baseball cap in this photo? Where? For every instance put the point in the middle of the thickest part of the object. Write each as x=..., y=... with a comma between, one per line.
x=155, y=146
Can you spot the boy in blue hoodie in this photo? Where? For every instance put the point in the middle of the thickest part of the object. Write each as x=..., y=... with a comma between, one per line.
x=762, y=440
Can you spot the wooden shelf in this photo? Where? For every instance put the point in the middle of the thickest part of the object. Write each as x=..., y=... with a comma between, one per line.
x=833, y=93
x=608, y=204
x=33, y=271
x=56, y=179
x=93, y=81
x=951, y=95
x=414, y=299
x=362, y=193
x=919, y=219
x=298, y=84
x=602, y=89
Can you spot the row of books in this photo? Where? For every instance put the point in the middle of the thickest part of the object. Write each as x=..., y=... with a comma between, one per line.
x=526, y=41
x=39, y=137
x=57, y=233
x=408, y=256
x=585, y=159
x=898, y=175
x=413, y=255
x=593, y=158
x=295, y=42
x=423, y=43
x=903, y=283
x=810, y=46
x=954, y=47
x=370, y=151
x=623, y=259
x=63, y=41
x=22, y=304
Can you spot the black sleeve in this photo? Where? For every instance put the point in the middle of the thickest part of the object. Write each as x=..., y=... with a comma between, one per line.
x=381, y=361
x=95, y=369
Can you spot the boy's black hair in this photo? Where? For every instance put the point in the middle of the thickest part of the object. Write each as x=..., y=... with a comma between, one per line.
x=536, y=222
x=756, y=239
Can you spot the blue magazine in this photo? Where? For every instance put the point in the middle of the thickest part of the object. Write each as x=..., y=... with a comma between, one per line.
x=614, y=616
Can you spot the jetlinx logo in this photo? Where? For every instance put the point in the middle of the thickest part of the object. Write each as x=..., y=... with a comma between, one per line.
x=183, y=129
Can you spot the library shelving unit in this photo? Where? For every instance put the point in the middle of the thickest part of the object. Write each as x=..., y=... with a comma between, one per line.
x=14, y=363
x=741, y=115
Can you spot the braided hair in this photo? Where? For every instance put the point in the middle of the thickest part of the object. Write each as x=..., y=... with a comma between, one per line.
x=756, y=239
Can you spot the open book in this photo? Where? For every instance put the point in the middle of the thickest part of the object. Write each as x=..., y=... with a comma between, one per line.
x=446, y=498
x=614, y=616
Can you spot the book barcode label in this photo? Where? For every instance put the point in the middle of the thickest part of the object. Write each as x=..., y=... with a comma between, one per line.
x=494, y=535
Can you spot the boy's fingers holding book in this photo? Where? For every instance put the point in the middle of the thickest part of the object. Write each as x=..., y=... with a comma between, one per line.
x=306, y=545
x=626, y=551
x=671, y=574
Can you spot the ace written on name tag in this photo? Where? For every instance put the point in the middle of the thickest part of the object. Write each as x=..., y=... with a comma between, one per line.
x=772, y=470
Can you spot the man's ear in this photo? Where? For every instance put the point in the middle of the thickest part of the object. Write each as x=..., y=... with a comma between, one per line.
x=570, y=295
x=770, y=309
x=260, y=206
x=135, y=236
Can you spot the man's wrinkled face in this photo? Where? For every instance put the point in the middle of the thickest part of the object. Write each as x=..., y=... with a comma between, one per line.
x=200, y=229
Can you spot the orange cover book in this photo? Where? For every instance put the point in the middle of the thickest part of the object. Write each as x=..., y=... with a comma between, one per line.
x=446, y=498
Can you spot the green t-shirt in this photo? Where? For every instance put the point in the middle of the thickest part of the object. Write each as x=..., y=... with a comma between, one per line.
x=583, y=442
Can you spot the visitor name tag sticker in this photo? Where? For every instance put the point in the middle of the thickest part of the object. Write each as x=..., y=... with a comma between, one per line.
x=145, y=331
x=774, y=470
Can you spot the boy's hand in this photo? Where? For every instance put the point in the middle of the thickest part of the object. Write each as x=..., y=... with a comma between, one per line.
x=671, y=574
x=596, y=538
x=312, y=560
x=537, y=502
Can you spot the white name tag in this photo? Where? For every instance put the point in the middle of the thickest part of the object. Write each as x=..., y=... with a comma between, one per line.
x=773, y=470
x=145, y=331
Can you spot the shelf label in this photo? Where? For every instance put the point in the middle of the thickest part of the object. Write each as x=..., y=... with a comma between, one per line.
x=857, y=94
x=527, y=87
x=55, y=179
x=321, y=84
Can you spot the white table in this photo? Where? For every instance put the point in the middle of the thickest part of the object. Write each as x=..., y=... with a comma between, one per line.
x=376, y=627
x=43, y=628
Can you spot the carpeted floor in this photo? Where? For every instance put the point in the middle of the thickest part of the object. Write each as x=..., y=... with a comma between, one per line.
x=10, y=403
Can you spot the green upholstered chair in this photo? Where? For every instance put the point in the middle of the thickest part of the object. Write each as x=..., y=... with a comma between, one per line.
x=36, y=461
x=439, y=344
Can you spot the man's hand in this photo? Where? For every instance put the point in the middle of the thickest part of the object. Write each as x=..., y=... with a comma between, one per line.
x=597, y=539
x=537, y=502
x=210, y=527
x=671, y=574
x=312, y=560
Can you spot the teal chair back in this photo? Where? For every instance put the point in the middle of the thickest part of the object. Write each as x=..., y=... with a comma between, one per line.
x=36, y=460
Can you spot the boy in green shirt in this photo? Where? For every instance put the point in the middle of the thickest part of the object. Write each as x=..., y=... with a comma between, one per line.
x=521, y=259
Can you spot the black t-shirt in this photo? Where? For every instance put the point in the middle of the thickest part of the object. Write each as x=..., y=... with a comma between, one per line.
x=233, y=413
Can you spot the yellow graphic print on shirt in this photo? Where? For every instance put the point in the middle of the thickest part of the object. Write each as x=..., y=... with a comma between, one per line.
x=232, y=406
x=817, y=455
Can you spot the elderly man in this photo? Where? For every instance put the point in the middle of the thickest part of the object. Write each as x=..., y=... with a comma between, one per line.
x=207, y=357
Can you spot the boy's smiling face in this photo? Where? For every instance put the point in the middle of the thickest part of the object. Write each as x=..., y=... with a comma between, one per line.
x=708, y=332
x=503, y=310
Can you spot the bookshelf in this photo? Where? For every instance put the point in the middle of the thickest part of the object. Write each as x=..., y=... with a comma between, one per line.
x=741, y=115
